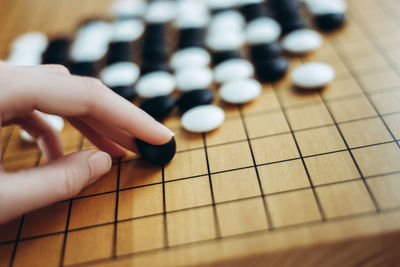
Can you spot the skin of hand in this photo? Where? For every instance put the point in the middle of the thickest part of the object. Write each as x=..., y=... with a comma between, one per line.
x=108, y=120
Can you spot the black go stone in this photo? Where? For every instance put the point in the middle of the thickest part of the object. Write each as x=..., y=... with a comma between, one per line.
x=254, y=11
x=127, y=92
x=159, y=107
x=221, y=56
x=330, y=22
x=261, y=52
x=86, y=68
x=57, y=51
x=157, y=154
x=271, y=70
x=149, y=66
x=119, y=51
x=191, y=37
x=194, y=98
x=155, y=34
x=287, y=12
x=155, y=53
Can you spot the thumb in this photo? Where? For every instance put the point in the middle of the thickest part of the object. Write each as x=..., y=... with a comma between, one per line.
x=61, y=179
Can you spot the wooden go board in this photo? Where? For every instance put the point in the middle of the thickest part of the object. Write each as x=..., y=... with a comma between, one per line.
x=290, y=179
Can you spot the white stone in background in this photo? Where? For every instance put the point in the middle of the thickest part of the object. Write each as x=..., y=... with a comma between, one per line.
x=128, y=8
x=203, y=118
x=24, y=58
x=226, y=21
x=120, y=74
x=263, y=30
x=56, y=121
x=301, y=41
x=222, y=4
x=192, y=14
x=312, y=75
x=229, y=40
x=156, y=83
x=240, y=91
x=233, y=69
x=320, y=7
x=91, y=41
x=161, y=11
x=248, y=2
x=26, y=137
x=193, y=78
x=35, y=42
x=190, y=57
x=128, y=30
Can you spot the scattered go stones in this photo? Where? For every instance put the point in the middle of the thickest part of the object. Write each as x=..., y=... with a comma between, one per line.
x=312, y=75
x=157, y=154
x=240, y=91
x=203, y=118
x=301, y=41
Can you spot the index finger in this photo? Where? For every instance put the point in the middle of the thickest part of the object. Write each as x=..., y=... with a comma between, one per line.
x=67, y=95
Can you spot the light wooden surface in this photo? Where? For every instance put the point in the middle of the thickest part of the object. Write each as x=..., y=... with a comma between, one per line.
x=304, y=179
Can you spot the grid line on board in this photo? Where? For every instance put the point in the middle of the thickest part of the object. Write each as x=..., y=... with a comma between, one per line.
x=316, y=198
x=242, y=235
x=216, y=220
x=114, y=253
x=356, y=78
x=379, y=176
x=266, y=210
x=164, y=212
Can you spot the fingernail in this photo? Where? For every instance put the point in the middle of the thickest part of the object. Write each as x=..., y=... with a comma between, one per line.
x=166, y=129
x=100, y=163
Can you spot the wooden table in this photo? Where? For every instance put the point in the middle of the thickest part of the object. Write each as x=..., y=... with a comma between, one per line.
x=303, y=179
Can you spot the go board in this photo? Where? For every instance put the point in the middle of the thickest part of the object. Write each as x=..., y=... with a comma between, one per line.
x=304, y=179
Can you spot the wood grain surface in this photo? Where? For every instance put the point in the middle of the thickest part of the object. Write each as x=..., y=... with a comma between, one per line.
x=292, y=179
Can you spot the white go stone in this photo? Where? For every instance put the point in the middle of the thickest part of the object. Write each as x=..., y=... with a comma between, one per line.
x=312, y=75
x=188, y=79
x=240, y=91
x=156, y=83
x=128, y=30
x=160, y=11
x=128, y=8
x=190, y=57
x=226, y=21
x=203, y=118
x=222, y=4
x=321, y=7
x=192, y=14
x=302, y=41
x=263, y=30
x=56, y=121
x=233, y=69
x=35, y=42
x=24, y=58
x=120, y=74
x=26, y=137
x=226, y=41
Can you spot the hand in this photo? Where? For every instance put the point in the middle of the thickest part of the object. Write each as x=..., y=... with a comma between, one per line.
x=108, y=120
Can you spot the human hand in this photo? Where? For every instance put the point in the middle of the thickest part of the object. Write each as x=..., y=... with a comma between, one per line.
x=105, y=118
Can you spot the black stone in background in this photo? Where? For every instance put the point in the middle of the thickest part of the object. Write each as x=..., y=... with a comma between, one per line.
x=159, y=107
x=127, y=92
x=158, y=155
x=271, y=70
x=57, y=51
x=87, y=68
x=191, y=37
x=194, y=98
x=149, y=66
x=261, y=52
x=330, y=22
x=254, y=11
x=221, y=56
x=154, y=54
x=119, y=51
x=288, y=14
